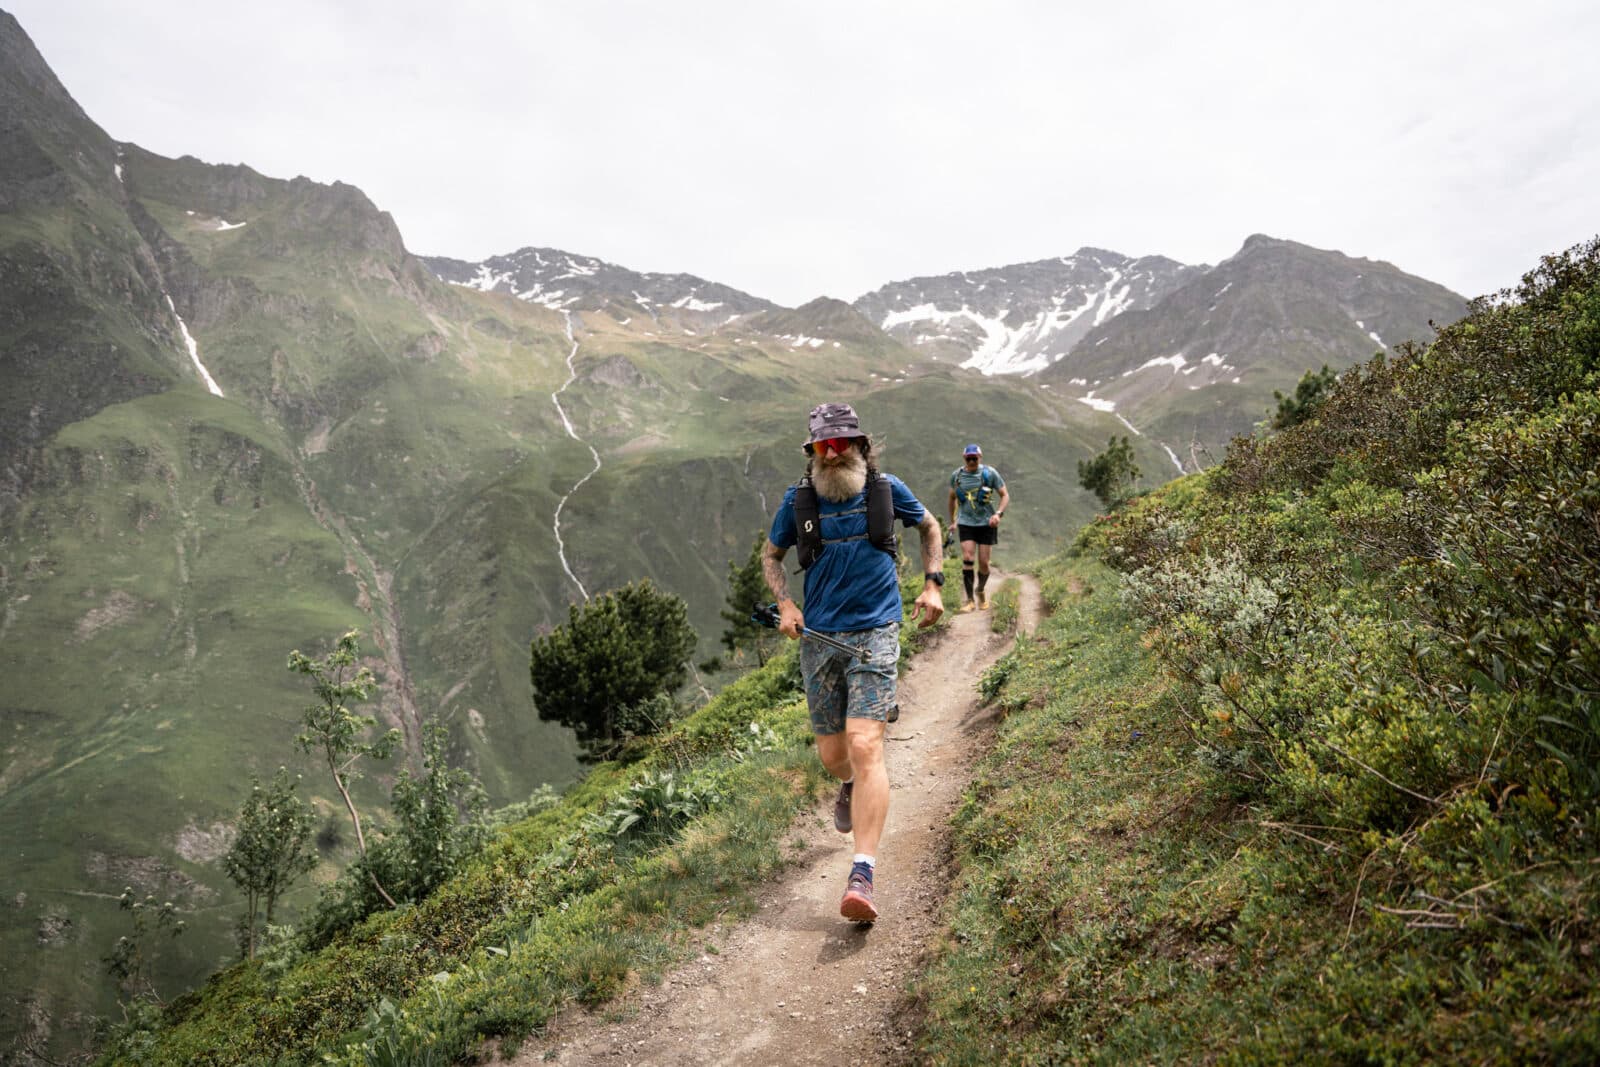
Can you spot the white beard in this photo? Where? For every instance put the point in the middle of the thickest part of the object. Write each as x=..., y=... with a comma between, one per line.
x=841, y=481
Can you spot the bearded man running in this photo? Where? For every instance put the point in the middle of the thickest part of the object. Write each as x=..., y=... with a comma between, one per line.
x=841, y=515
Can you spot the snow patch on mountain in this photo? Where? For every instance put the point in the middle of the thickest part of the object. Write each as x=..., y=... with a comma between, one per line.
x=1098, y=404
x=1022, y=318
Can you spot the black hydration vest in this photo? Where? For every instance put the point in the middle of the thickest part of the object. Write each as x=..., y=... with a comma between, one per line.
x=808, y=519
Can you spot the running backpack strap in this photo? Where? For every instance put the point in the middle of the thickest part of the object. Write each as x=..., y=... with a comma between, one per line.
x=880, y=514
x=808, y=519
x=807, y=523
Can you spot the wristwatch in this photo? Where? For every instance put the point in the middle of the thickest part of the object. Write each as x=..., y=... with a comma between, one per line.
x=936, y=577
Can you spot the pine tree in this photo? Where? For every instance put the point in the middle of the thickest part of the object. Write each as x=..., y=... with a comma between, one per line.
x=1314, y=388
x=1112, y=474
x=747, y=590
x=613, y=654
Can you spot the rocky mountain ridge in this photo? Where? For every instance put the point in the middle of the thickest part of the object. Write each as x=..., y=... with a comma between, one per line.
x=565, y=281
x=1194, y=367
x=1083, y=323
x=1024, y=317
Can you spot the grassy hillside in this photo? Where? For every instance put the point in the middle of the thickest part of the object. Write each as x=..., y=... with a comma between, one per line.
x=568, y=905
x=1309, y=772
x=165, y=555
x=388, y=458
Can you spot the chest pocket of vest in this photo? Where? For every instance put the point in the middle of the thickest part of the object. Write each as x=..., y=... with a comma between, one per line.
x=879, y=507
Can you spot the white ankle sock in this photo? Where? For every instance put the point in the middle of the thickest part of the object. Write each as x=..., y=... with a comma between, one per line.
x=862, y=857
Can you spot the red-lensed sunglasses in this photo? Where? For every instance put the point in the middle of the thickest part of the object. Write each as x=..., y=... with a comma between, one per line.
x=836, y=444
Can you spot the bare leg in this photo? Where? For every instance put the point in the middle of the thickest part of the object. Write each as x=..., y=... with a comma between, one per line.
x=858, y=753
x=869, y=804
x=834, y=751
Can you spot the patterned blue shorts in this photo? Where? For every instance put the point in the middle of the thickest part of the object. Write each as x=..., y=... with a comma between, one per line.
x=839, y=686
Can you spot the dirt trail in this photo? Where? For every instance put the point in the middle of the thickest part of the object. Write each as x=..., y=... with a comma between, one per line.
x=795, y=983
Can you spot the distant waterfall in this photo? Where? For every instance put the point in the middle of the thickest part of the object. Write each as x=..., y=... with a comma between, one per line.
x=194, y=348
x=555, y=398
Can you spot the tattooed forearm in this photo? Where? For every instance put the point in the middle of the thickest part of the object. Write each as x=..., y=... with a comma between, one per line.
x=772, y=571
x=932, y=546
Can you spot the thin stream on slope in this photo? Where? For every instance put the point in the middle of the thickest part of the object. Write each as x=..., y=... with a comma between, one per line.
x=555, y=398
x=183, y=327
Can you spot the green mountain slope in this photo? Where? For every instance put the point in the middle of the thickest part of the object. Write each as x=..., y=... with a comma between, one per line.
x=82, y=322
x=1307, y=772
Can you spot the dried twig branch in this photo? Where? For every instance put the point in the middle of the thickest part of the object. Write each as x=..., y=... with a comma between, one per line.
x=1288, y=828
x=1380, y=775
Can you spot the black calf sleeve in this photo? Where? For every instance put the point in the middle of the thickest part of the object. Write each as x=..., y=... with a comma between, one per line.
x=983, y=580
x=966, y=580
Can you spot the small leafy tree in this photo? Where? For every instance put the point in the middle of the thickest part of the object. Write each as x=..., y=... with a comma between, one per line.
x=270, y=851
x=612, y=654
x=1313, y=389
x=334, y=730
x=439, y=821
x=1112, y=474
x=129, y=960
x=747, y=587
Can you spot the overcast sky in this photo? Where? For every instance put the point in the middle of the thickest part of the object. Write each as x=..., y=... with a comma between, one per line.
x=799, y=149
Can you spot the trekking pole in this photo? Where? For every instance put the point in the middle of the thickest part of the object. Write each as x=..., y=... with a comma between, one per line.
x=768, y=617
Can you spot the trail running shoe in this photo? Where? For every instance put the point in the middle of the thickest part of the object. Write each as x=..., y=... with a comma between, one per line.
x=841, y=808
x=968, y=605
x=983, y=601
x=857, y=904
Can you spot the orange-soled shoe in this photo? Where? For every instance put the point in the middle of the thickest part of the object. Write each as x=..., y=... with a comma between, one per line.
x=857, y=904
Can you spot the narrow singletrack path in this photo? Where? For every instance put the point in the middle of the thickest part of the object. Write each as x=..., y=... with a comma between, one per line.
x=795, y=983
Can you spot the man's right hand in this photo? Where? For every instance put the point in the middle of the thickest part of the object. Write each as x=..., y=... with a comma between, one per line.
x=790, y=620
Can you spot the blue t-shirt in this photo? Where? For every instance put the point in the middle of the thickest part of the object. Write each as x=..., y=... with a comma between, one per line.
x=852, y=585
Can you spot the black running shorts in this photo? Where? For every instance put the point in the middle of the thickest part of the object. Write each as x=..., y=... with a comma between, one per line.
x=983, y=535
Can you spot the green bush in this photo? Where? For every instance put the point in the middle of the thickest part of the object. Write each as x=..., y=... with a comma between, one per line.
x=1307, y=397
x=1386, y=618
x=615, y=653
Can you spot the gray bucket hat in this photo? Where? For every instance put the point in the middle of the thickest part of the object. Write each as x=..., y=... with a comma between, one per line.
x=834, y=420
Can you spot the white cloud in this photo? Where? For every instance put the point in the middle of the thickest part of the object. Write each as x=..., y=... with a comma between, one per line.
x=830, y=148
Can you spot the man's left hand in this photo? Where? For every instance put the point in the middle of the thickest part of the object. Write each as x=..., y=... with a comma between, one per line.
x=928, y=606
x=994, y=520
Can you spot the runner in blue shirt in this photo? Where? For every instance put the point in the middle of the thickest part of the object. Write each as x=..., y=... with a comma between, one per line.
x=852, y=593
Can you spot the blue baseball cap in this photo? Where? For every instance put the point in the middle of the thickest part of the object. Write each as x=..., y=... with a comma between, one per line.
x=972, y=450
